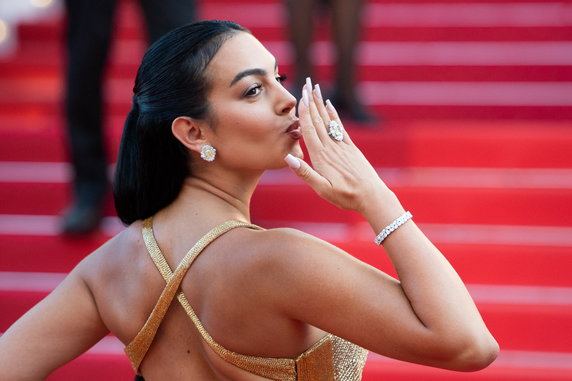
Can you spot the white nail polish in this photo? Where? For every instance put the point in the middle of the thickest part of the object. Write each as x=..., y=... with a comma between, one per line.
x=292, y=161
x=329, y=105
x=318, y=91
x=305, y=97
x=308, y=84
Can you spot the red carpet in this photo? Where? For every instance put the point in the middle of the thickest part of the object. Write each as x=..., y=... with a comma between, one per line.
x=476, y=139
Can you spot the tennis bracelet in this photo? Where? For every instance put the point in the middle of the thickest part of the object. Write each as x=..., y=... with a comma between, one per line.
x=392, y=227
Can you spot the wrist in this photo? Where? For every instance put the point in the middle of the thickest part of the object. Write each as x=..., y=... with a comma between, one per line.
x=392, y=227
x=382, y=209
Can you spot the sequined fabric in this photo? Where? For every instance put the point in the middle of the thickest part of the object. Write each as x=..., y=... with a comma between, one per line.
x=332, y=358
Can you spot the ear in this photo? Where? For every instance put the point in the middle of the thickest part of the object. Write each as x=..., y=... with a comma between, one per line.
x=190, y=132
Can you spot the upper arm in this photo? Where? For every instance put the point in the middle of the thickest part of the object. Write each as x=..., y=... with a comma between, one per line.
x=331, y=290
x=59, y=328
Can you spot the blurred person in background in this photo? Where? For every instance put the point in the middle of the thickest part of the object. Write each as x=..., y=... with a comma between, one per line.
x=89, y=31
x=346, y=18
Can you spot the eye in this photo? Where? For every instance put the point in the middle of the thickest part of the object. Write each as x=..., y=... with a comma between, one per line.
x=253, y=91
x=281, y=78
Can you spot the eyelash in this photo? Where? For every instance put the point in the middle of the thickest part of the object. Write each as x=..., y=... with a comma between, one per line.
x=279, y=79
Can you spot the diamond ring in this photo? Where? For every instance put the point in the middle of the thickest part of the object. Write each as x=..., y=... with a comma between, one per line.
x=336, y=131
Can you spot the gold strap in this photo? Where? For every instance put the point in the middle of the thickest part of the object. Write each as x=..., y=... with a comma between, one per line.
x=273, y=368
x=137, y=349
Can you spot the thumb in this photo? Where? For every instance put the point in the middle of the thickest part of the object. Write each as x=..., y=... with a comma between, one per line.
x=307, y=173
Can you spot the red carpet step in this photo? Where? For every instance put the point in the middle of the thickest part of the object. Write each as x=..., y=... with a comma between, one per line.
x=435, y=205
x=511, y=366
x=427, y=143
x=285, y=200
x=476, y=262
x=545, y=326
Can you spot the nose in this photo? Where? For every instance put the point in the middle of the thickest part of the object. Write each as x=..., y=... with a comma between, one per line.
x=286, y=101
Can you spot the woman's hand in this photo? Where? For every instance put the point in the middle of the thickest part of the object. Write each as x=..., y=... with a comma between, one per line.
x=341, y=174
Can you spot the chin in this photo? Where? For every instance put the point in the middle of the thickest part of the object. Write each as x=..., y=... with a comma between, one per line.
x=295, y=151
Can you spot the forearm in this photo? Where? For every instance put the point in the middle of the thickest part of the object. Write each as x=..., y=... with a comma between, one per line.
x=434, y=289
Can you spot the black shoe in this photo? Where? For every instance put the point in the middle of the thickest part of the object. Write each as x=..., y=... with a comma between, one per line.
x=82, y=219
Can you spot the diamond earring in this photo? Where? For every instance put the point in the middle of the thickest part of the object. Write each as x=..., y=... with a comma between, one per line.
x=208, y=152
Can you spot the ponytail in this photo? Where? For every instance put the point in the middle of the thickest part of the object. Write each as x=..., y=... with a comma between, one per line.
x=151, y=168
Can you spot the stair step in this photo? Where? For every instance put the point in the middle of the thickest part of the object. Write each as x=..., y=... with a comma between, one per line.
x=30, y=71
x=509, y=366
x=52, y=32
x=445, y=205
x=387, y=112
x=371, y=53
x=434, y=205
x=479, y=259
x=116, y=367
x=378, y=17
x=110, y=364
x=93, y=367
x=545, y=325
x=437, y=196
x=47, y=91
x=425, y=143
x=413, y=13
x=476, y=263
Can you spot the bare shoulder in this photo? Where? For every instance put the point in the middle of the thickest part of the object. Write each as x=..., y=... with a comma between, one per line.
x=286, y=254
x=295, y=245
x=288, y=239
x=310, y=280
x=115, y=274
x=120, y=249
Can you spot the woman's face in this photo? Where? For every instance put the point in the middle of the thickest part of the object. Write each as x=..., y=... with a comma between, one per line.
x=252, y=114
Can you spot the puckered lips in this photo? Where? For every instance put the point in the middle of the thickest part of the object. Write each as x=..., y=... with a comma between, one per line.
x=294, y=130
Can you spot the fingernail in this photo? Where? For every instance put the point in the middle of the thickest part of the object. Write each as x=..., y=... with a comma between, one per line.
x=305, y=97
x=308, y=84
x=292, y=161
x=318, y=91
x=329, y=105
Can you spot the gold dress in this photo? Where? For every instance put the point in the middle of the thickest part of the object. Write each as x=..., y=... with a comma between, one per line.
x=331, y=358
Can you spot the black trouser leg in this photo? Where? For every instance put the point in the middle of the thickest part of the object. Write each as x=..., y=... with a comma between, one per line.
x=165, y=15
x=89, y=29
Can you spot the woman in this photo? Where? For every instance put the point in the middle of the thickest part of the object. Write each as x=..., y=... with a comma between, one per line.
x=209, y=116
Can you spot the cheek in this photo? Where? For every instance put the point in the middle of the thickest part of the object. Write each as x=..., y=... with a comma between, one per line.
x=249, y=136
x=247, y=124
x=243, y=138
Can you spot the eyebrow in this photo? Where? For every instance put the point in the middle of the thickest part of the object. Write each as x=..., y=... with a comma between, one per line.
x=246, y=73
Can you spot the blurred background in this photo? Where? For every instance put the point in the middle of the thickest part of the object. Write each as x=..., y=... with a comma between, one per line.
x=465, y=108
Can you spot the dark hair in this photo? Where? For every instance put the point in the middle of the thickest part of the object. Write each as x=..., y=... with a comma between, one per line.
x=152, y=164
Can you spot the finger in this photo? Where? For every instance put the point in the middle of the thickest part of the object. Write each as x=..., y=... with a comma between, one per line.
x=319, y=123
x=308, y=174
x=321, y=107
x=309, y=133
x=333, y=115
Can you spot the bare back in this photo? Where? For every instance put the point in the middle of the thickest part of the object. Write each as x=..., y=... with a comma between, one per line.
x=222, y=288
